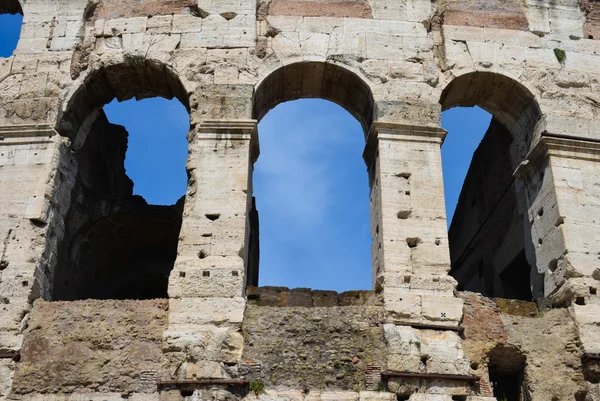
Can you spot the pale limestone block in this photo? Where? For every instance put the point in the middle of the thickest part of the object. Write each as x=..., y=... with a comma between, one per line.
x=202, y=369
x=7, y=367
x=202, y=39
x=538, y=17
x=221, y=6
x=350, y=45
x=482, y=54
x=186, y=24
x=458, y=56
x=284, y=23
x=99, y=27
x=277, y=395
x=402, y=28
x=320, y=25
x=541, y=58
x=161, y=42
x=361, y=25
x=463, y=33
x=5, y=67
x=443, y=309
x=588, y=324
x=401, y=305
x=314, y=44
x=233, y=56
x=214, y=22
x=287, y=45
x=413, y=45
x=586, y=46
x=209, y=281
x=409, y=348
x=511, y=36
x=418, y=10
x=34, y=85
x=64, y=43
x=241, y=37
x=226, y=74
x=582, y=62
x=205, y=342
x=135, y=43
x=376, y=396
x=31, y=46
x=243, y=23
x=202, y=311
x=407, y=71
x=162, y=24
x=339, y=396
x=385, y=47
x=10, y=86
x=119, y=26
x=73, y=27
x=36, y=29
x=389, y=10
x=566, y=21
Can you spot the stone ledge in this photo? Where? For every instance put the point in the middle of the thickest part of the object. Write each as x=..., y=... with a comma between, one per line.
x=305, y=297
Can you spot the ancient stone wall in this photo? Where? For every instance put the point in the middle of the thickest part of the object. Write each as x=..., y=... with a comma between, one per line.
x=394, y=65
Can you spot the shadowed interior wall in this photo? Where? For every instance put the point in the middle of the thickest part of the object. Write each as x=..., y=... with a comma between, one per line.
x=487, y=234
x=116, y=246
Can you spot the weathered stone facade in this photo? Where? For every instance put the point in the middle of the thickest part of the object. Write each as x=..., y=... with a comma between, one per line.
x=394, y=65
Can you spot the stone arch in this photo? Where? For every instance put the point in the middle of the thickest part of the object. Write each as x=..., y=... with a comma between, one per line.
x=113, y=238
x=506, y=369
x=509, y=101
x=139, y=78
x=490, y=236
x=11, y=7
x=316, y=80
x=306, y=80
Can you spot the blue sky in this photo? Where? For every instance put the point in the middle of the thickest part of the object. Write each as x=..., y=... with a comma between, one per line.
x=310, y=180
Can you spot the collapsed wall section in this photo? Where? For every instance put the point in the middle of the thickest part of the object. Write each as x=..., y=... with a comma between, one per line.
x=313, y=339
x=92, y=346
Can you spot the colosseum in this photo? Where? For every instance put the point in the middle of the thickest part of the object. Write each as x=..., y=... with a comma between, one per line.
x=106, y=298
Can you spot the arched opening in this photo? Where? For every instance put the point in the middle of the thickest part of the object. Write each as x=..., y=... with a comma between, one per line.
x=506, y=367
x=11, y=19
x=310, y=181
x=116, y=245
x=157, y=147
x=490, y=241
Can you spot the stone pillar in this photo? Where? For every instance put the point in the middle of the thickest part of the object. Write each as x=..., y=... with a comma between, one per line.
x=410, y=242
x=37, y=173
x=562, y=176
x=563, y=181
x=207, y=284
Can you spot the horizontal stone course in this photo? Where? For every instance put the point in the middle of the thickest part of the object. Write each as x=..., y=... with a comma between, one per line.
x=305, y=297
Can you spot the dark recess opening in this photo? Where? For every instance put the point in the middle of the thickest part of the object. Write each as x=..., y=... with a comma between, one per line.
x=507, y=370
x=116, y=245
x=486, y=237
x=515, y=279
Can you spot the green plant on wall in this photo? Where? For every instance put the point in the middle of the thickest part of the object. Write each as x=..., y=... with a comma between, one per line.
x=560, y=54
x=257, y=387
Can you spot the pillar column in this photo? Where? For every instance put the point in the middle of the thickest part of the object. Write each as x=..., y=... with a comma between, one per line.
x=37, y=173
x=411, y=258
x=207, y=283
x=562, y=176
